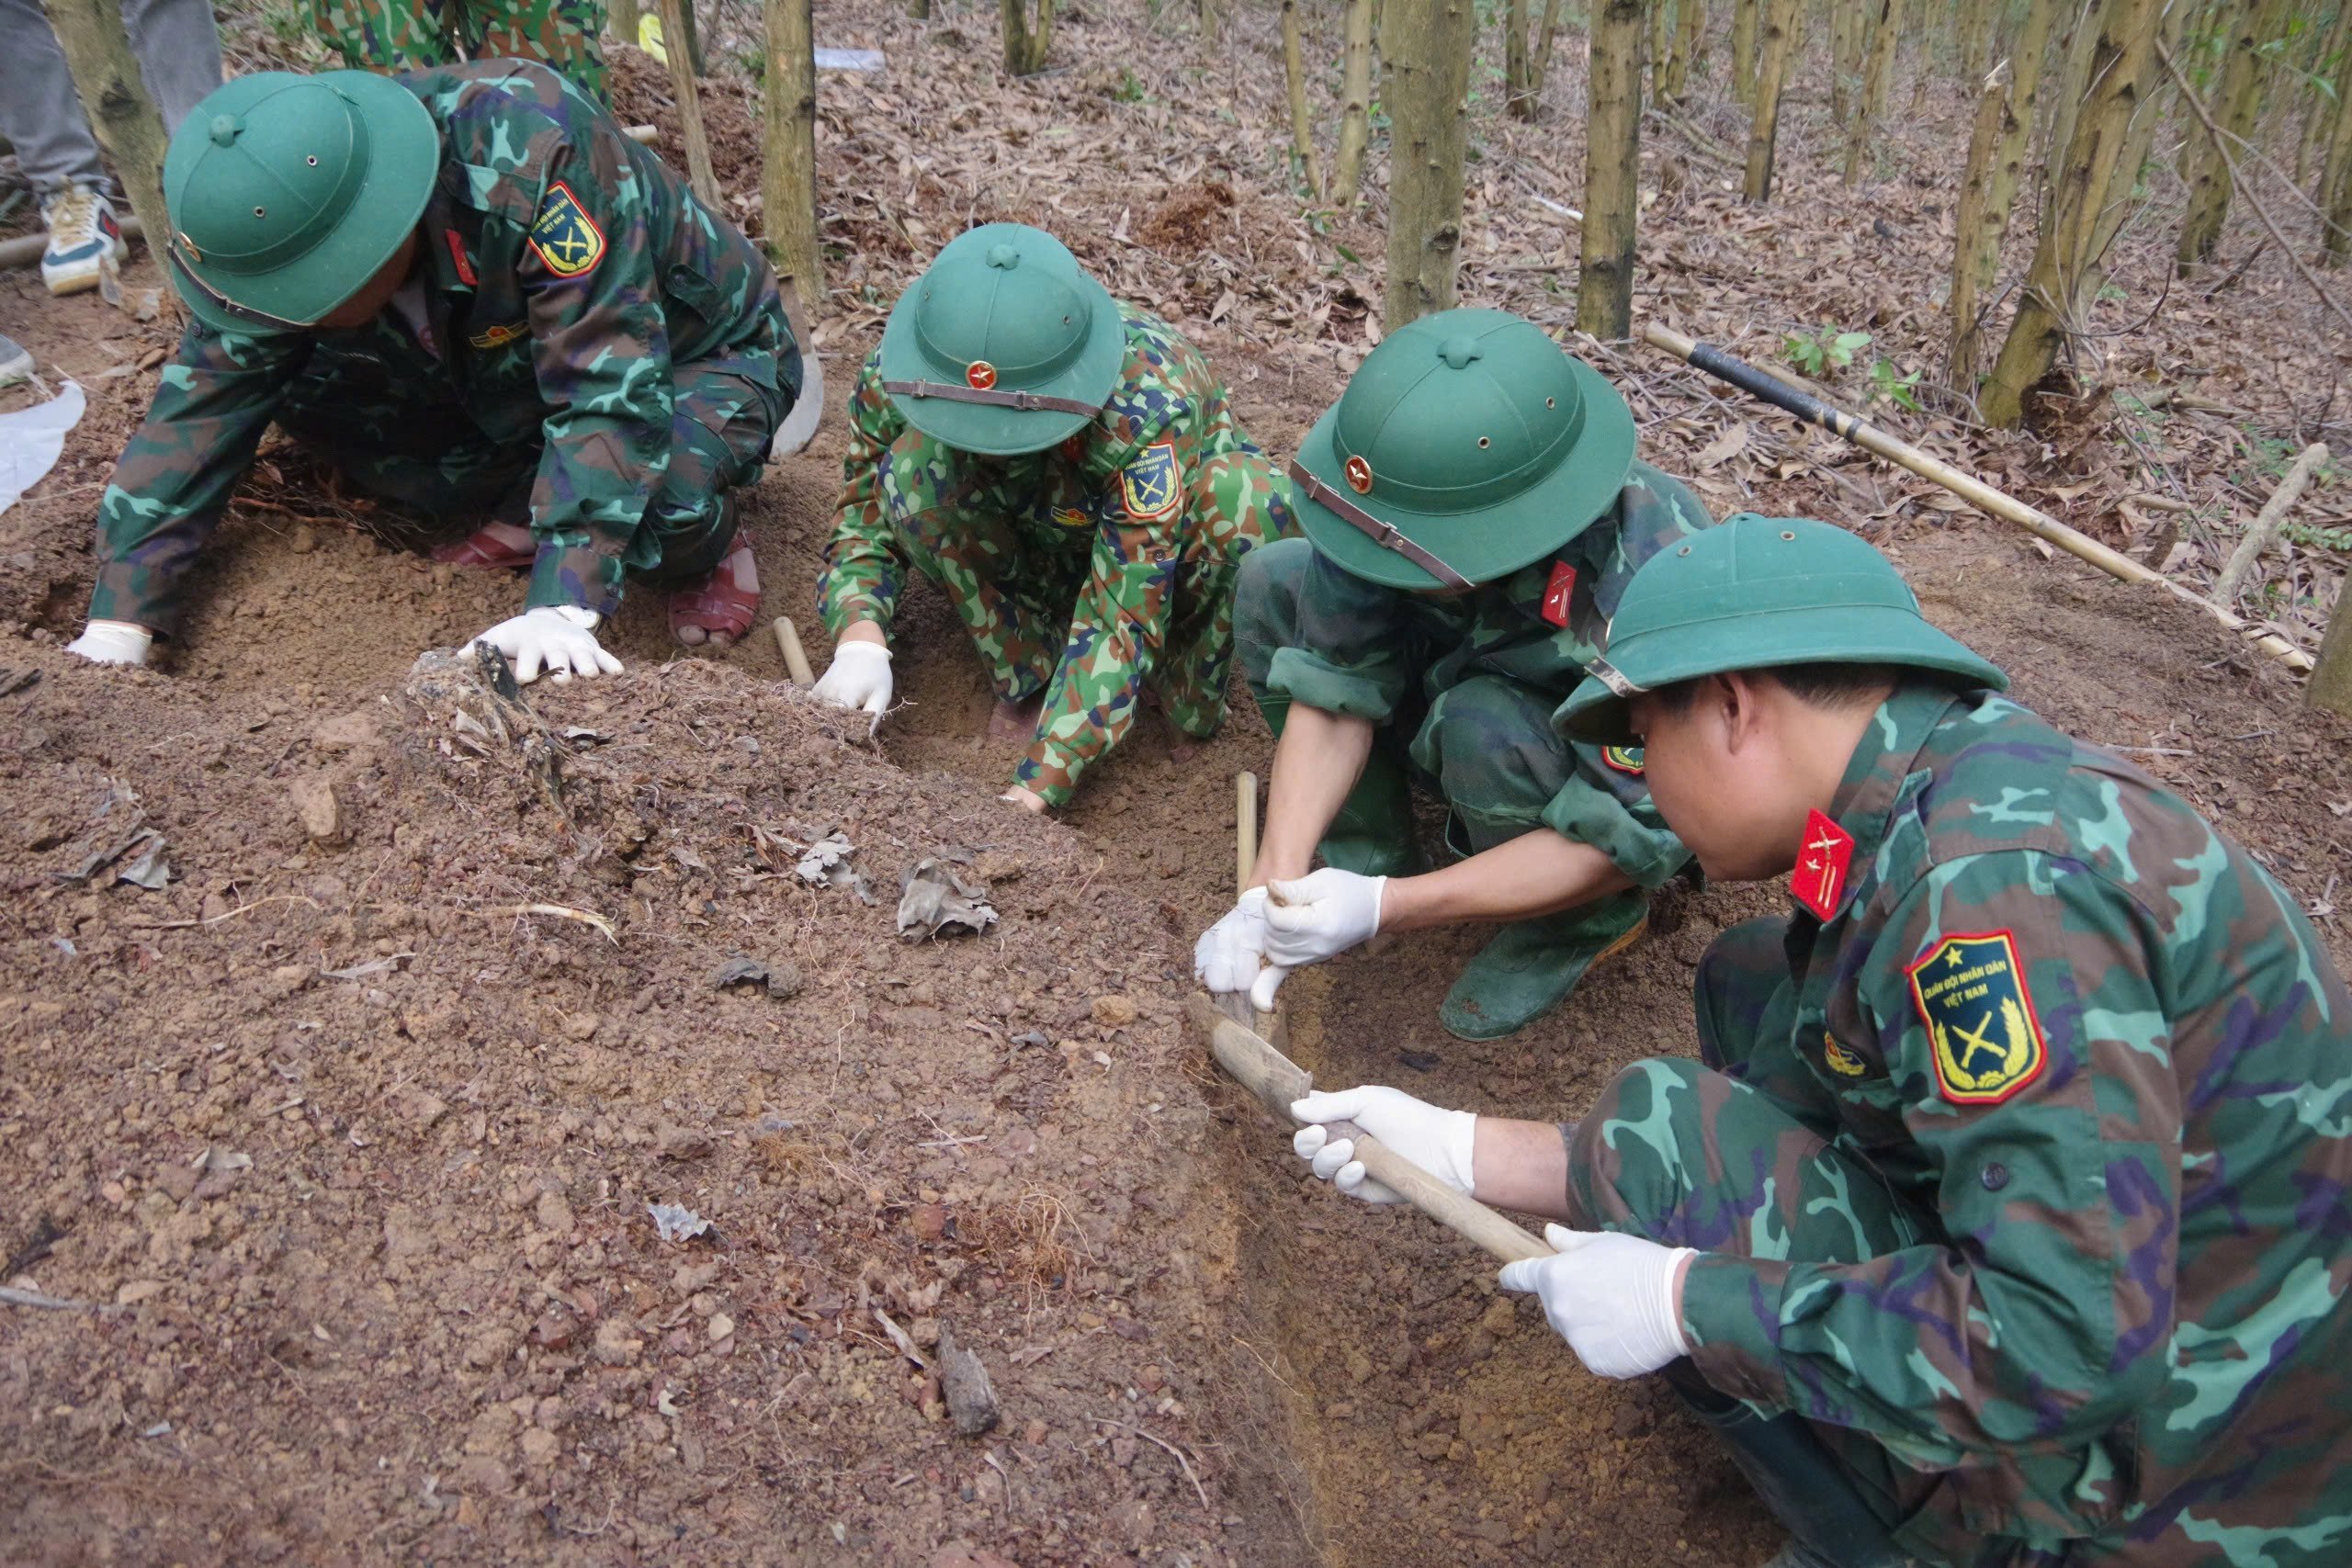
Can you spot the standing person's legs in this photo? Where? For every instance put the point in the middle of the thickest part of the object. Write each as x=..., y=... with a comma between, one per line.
x=39, y=110
x=179, y=52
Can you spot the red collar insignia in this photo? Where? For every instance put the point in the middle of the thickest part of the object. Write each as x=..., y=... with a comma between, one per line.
x=457, y=254
x=1819, y=880
x=1558, y=593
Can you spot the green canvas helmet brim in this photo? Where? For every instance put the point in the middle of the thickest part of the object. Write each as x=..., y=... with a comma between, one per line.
x=1490, y=542
x=404, y=157
x=994, y=432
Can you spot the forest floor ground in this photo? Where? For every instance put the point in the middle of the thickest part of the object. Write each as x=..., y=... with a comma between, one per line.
x=355, y=1151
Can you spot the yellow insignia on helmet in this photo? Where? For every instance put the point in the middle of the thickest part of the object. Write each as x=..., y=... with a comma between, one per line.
x=1071, y=518
x=501, y=335
x=1842, y=1062
x=1983, y=1033
x=1149, y=486
x=564, y=237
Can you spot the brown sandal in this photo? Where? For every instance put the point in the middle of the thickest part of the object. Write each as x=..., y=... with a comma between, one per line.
x=724, y=604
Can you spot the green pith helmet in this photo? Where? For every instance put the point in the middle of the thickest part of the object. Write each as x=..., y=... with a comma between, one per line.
x=1466, y=445
x=288, y=192
x=1003, y=346
x=1755, y=593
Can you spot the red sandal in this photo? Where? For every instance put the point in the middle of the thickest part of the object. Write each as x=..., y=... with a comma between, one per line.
x=722, y=605
x=493, y=546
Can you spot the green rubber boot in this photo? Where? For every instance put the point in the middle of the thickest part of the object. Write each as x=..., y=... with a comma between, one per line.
x=1531, y=966
x=1373, y=834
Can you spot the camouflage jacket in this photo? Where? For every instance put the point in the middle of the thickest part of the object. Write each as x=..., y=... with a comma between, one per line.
x=1072, y=503
x=2103, y=1064
x=1372, y=652
x=565, y=267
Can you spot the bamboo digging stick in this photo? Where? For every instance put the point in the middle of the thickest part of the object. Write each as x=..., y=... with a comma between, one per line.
x=795, y=659
x=1235, y=1005
x=1737, y=372
x=1276, y=1080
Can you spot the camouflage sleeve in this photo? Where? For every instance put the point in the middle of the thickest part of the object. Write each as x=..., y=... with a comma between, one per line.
x=2030, y=1059
x=214, y=400
x=865, y=568
x=1349, y=658
x=1118, y=628
x=601, y=352
x=1606, y=803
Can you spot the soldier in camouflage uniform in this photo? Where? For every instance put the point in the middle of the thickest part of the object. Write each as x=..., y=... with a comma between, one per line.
x=2008, y=1219
x=411, y=35
x=1473, y=512
x=502, y=305
x=1071, y=471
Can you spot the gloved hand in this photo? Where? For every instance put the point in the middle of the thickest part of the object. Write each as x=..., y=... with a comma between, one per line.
x=1610, y=1296
x=1229, y=954
x=113, y=642
x=1439, y=1140
x=859, y=677
x=1320, y=916
x=558, y=638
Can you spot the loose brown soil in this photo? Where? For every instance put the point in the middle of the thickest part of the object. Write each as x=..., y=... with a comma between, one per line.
x=432, y=1320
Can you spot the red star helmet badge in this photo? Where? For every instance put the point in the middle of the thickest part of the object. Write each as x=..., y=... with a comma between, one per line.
x=1359, y=474
x=980, y=375
x=1819, y=880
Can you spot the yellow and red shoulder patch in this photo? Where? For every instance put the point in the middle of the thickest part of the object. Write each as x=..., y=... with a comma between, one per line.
x=1839, y=1060
x=1624, y=758
x=564, y=237
x=1559, y=593
x=1151, y=486
x=1983, y=1033
x=1819, y=879
x=500, y=335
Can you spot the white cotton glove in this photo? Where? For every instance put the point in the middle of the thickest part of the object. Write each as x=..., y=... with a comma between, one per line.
x=1230, y=952
x=1320, y=916
x=558, y=638
x=1438, y=1140
x=113, y=642
x=1610, y=1296
x=859, y=677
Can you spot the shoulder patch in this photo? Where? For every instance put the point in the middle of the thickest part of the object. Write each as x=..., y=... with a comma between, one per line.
x=1819, y=879
x=1071, y=518
x=499, y=336
x=1839, y=1060
x=1982, y=1028
x=1558, y=594
x=1624, y=758
x=563, y=236
x=1150, y=486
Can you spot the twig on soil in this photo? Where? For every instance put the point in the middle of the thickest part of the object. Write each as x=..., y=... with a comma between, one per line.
x=11, y=1296
x=560, y=912
x=228, y=915
x=2245, y=191
x=1198, y=1490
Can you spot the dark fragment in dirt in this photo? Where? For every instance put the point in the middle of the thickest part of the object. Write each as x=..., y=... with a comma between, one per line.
x=781, y=980
x=971, y=1398
x=934, y=901
x=45, y=1235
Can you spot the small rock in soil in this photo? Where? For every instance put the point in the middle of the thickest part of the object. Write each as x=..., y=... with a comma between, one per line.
x=971, y=1398
x=782, y=979
x=318, y=810
x=1114, y=1011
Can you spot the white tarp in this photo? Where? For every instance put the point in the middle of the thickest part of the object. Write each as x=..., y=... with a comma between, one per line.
x=32, y=439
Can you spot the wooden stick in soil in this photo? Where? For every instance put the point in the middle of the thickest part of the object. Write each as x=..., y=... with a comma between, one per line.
x=1235, y=1005
x=1984, y=497
x=795, y=658
x=688, y=92
x=2266, y=526
x=1276, y=1080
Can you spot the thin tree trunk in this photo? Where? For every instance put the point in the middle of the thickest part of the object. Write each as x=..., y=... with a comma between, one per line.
x=2137, y=143
x=788, y=152
x=106, y=78
x=2117, y=63
x=1025, y=40
x=1743, y=50
x=1847, y=38
x=1778, y=41
x=687, y=90
x=2335, y=170
x=1302, y=128
x=1208, y=21
x=1355, y=100
x=1427, y=87
x=1981, y=226
x=690, y=29
x=2317, y=121
x=2331, y=681
x=1612, y=171
x=1979, y=24
x=1886, y=32
x=622, y=19
x=1691, y=36
x=1517, y=98
x=1540, y=71
x=2234, y=106
x=1661, y=48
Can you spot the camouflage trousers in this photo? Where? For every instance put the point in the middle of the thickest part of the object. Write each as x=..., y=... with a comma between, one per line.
x=1018, y=596
x=1709, y=1154
x=1486, y=744
x=443, y=475
x=409, y=35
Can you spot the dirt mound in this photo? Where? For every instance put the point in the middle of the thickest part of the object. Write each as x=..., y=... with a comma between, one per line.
x=353, y=1128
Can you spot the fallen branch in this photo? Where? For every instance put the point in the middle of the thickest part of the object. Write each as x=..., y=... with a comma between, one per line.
x=11, y=1296
x=2266, y=526
x=2246, y=191
x=1870, y=438
x=1198, y=1490
x=560, y=912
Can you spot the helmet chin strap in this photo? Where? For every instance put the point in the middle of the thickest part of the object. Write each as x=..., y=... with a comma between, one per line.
x=1385, y=535
x=1027, y=402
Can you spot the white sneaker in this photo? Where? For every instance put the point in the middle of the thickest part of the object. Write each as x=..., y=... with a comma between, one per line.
x=82, y=230
x=16, y=365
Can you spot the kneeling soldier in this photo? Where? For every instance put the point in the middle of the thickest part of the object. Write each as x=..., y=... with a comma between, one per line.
x=1068, y=469
x=474, y=293
x=1473, y=510
x=2008, y=1218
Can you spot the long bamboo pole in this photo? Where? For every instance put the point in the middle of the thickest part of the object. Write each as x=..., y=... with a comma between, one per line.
x=1276, y=1080
x=688, y=92
x=1984, y=497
